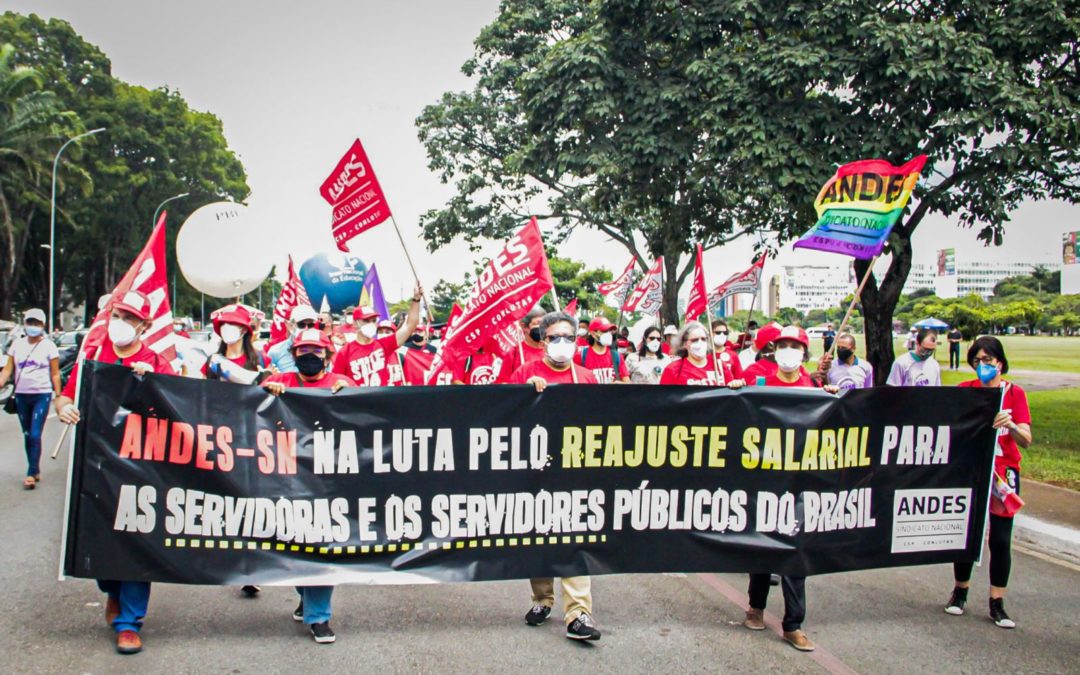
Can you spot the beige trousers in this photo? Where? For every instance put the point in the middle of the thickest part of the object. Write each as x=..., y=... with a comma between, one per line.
x=577, y=595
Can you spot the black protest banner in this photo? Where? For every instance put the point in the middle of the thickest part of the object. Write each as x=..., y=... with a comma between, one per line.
x=198, y=482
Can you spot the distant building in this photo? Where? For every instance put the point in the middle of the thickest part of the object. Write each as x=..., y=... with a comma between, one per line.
x=807, y=287
x=967, y=277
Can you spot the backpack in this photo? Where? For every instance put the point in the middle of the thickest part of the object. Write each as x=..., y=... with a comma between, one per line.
x=614, y=359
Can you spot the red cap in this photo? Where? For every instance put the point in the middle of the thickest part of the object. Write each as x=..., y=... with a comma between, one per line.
x=767, y=334
x=623, y=342
x=312, y=337
x=601, y=324
x=364, y=313
x=134, y=302
x=238, y=315
x=794, y=333
x=386, y=323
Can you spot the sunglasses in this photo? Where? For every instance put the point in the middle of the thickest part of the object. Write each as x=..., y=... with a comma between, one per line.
x=652, y=339
x=305, y=324
x=720, y=332
x=555, y=339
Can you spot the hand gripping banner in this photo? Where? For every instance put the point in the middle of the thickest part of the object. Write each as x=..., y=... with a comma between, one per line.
x=189, y=481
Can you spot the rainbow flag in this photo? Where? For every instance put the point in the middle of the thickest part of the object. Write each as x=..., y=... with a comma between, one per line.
x=858, y=207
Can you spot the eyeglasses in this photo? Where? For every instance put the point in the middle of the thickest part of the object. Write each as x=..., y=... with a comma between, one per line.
x=311, y=350
x=305, y=324
x=555, y=339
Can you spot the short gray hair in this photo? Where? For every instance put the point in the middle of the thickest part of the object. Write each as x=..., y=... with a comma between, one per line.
x=552, y=318
x=533, y=313
x=680, y=343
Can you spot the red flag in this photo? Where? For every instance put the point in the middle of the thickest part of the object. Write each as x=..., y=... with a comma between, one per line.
x=615, y=292
x=649, y=293
x=353, y=191
x=511, y=284
x=292, y=294
x=742, y=282
x=697, y=304
x=147, y=274
x=571, y=307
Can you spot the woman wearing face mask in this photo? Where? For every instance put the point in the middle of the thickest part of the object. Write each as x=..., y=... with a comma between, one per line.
x=34, y=364
x=232, y=323
x=918, y=367
x=601, y=356
x=129, y=318
x=696, y=364
x=530, y=349
x=724, y=351
x=987, y=357
x=647, y=364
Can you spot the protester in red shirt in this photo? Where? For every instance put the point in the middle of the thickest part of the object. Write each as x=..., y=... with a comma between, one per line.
x=416, y=357
x=557, y=367
x=724, y=350
x=129, y=319
x=366, y=360
x=671, y=334
x=697, y=363
x=583, y=333
x=600, y=356
x=747, y=338
x=481, y=367
x=236, y=359
x=987, y=356
x=528, y=350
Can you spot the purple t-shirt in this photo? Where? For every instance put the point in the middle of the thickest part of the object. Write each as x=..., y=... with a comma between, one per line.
x=33, y=370
x=858, y=375
x=909, y=372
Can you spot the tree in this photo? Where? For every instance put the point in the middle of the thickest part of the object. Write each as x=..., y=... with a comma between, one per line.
x=574, y=280
x=789, y=315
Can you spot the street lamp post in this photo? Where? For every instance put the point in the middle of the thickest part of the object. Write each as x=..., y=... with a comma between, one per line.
x=52, y=223
x=158, y=209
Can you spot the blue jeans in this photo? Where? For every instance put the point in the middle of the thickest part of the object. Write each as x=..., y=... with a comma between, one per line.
x=33, y=409
x=316, y=601
x=134, y=598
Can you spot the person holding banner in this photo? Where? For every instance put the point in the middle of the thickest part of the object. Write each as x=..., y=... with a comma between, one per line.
x=311, y=351
x=557, y=367
x=648, y=363
x=849, y=371
x=917, y=367
x=697, y=364
x=302, y=317
x=987, y=357
x=529, y=350
x=129, y=319
x=365, y=361
x=601, y=356
x=236, y=359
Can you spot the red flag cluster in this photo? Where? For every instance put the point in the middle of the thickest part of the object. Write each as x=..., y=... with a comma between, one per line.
x=292, y=294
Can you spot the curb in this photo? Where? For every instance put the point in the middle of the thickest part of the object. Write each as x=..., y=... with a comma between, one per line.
x=1057, y=541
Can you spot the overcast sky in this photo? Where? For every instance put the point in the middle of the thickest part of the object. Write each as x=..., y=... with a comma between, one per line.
x=294, y=83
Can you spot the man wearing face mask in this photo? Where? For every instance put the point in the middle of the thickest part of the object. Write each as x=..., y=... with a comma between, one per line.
x=751, y=342
x=529, y=349
x=557, y=367
x=129, y=319
x=671, y=335
x=583, y=333
x=918, y=367
x=724, y=351
x=849, y=371
x=302, y=317
x=366, y=360
x=416, y=357
x=600, y=357
x=746, y=338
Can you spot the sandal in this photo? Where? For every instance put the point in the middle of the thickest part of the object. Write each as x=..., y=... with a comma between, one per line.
x=37, y=477
x=29, y=483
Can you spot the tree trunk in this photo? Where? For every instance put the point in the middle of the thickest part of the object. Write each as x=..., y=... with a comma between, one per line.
x=879, y=303
x=670, y=312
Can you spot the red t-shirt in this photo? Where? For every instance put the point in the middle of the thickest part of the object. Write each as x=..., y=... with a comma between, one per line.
x=583, y=341
x=415, y=364
x=1014, y=399
x=291, y=380
x=575, y=374
x=603, y=365
x=479, y=368
x=765, y=368
x=108, y=355
x=682, y=371
x=732, y=368
x=514, y=359
x=239, y=361
x=775, y=381
x=367, y=365
x=665, y=348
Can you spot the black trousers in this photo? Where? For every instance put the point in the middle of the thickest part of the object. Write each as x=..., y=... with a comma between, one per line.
x=954, y=355
x=1000, y=541
x=794, y=598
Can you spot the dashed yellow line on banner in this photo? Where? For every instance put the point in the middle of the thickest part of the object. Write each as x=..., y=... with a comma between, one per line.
x=378, y=549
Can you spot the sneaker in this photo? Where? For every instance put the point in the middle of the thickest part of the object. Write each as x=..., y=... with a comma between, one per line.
x=298, y=613
x=112, y=609
x=251, y=590
x=538, y=615
x=322, y=633
x=755, y=619
x=582, y=628
x=956, y=601
x=997, y=613
x=798, y=640
x=774, y=579
x=128, y=642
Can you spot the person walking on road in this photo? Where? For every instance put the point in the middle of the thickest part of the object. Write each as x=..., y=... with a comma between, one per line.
x=987, y=356
x=34, y=363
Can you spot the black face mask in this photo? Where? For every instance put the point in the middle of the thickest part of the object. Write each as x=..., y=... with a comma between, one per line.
x=416, y=339
x=309, y=365
x=534, y=334
x=843, y=354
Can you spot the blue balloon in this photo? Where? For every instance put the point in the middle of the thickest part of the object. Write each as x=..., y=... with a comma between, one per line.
x=339, y=277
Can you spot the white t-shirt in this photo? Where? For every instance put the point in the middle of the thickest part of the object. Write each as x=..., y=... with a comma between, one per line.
x=32, y=365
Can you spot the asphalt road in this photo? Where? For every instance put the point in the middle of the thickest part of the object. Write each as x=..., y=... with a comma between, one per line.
x=882, y=621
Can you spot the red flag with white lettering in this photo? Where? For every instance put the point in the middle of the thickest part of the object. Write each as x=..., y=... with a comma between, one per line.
x=615, y=291
x=355, y=195
x=147, y=275
x=649, y=293
x=698, y=303
x=748, y=281
x=511, y=284
x=292, y=294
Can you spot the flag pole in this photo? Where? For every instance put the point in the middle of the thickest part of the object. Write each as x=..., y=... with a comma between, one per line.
x=712, y=346
x=408, y=257
x=555, y=298
x=854, y=299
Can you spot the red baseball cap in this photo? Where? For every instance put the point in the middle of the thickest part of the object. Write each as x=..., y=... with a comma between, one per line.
x=767, y=334
x=312, y=337
x=386, y=323
x=133, y=302
x=364, y=313
x=238, y=315
x=794, y=333
x=601, y=324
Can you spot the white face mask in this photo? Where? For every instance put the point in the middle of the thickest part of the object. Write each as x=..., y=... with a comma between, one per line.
x=605, y=340
x=789, y=359
x=581, y=332
x=560, y=352
x=349, y=320
x=121, y=333
x=231, y=334
x=719, y=340
x=652, y=346
x=368, y=330
x=698, y=350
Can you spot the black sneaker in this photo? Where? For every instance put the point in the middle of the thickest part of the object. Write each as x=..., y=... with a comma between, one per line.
x=298, y=613
x=538, y=615
x=956, y=602
x=322, y=633
x=251, y=590
x=997, y=613
x=582, y=628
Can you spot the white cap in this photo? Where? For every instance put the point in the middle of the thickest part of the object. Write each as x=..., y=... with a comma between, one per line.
x=304, y=313
x=34, y=314
x=670, y=330
x=103, y=301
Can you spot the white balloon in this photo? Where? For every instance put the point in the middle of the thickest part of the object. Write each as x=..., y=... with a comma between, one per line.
x=219, y=253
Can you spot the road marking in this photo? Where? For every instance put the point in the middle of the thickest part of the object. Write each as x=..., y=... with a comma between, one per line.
x=1042, y=556
x=823, y=657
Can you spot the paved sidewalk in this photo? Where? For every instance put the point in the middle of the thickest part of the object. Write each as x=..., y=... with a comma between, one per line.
x=1050, y=521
